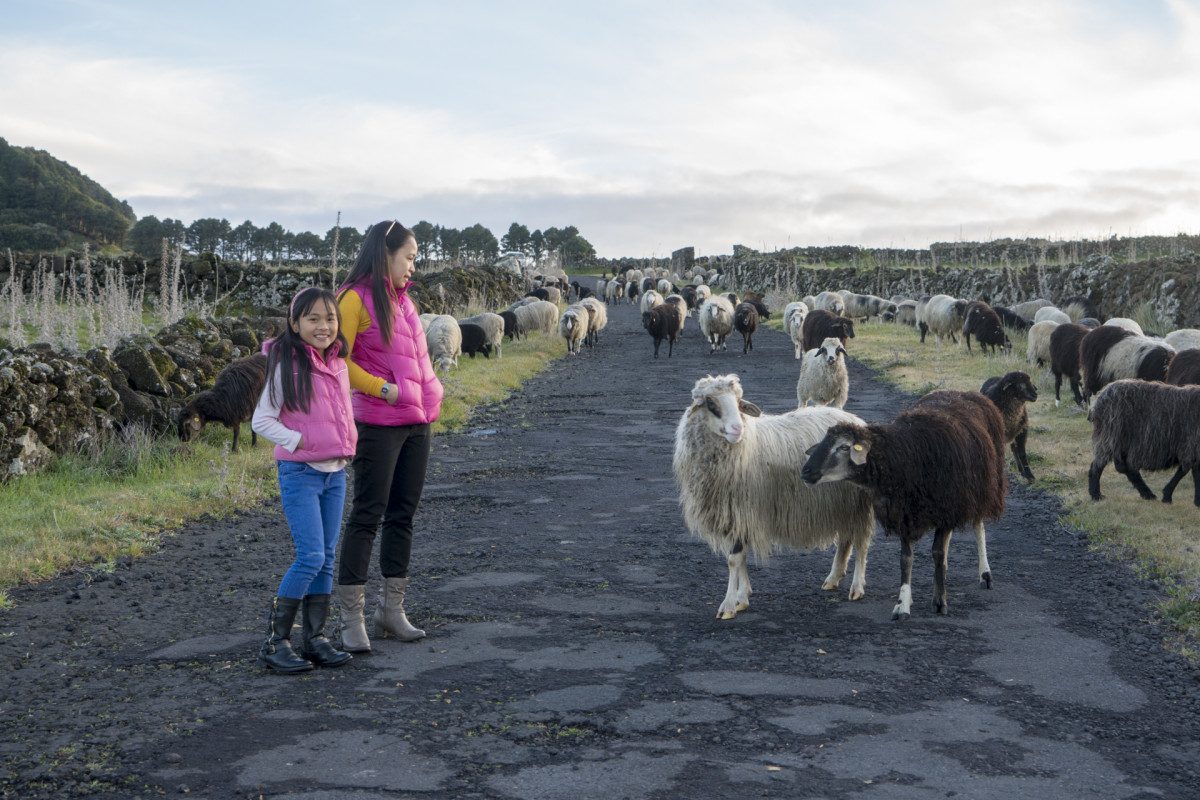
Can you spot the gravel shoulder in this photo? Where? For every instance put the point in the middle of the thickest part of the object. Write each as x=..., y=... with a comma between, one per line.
x=573, y=650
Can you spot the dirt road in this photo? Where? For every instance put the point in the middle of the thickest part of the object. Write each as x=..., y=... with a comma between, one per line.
x=573, y=650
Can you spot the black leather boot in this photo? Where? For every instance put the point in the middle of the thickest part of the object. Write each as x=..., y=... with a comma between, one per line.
x=314, y=646
x=277, y=654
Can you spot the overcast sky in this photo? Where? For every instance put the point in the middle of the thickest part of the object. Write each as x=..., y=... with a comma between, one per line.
x=648, y=125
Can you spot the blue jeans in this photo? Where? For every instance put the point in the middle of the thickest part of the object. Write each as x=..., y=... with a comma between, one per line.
x=312, y=503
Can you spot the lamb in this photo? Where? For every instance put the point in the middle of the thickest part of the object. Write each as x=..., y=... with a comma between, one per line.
x=716, y=322
x=1010, y=393
x=677, y=302
x=1011, y=319
x=230, y=402
x=1037, y=350
x=1064, y=358
x=745, y=322
x=1079, y=307
x=820, y=325
x=1185, y=369
x=1030, y=307
x=984, y=323
x=824, y=378
x=598, y=319
x=1052, y=314
x=573, y=327
x=650, y=299
x=1110, y=353
x=493, y=327
x=661, y=322
x=740, y=491
x=943, y=316
x=1126, y=324
x=474, y=339
x=1141, y=425
x=444, y=340
x=664, y=287
x=865, y=306
x=940, y=465
x=1184, y=339
x=831, y=302
x=512, y=327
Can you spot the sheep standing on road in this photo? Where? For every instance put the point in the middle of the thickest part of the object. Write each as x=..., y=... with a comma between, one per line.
x=793, y=322
x=740, y=491
x=444, y=340
x=1010, y=393
x=230, y=402
x=939, y=466
x=614, y=291
x=650, y=299
x=745, y=322
x=573, y=327
x=716, y=322
x=677, y=302
x=820, y=325
x=824, y=379
x=597, y=319
x=661, y=322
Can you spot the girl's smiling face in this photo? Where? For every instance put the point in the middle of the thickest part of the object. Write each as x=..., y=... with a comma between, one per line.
x=318, y=326
x=402, y=262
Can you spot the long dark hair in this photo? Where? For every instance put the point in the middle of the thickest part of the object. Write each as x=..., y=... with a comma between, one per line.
x=382, y=240
x=288, y=351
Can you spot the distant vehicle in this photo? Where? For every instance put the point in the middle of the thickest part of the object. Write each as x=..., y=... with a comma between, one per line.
x=515, y=261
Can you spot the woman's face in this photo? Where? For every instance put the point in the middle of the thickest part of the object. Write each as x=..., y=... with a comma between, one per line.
x=319, y=327
x=402, y=263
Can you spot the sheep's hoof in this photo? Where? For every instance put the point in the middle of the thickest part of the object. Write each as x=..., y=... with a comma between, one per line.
x=898, y=615
x=985, y=580
x=1166, y=500
x=1057, y=403
x=857, y=593
x=941, y=608
x=742, y=605
x=726, y=614
x=830, y=585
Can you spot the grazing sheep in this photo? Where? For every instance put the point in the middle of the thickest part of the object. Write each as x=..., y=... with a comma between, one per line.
x=1142, y=425
x=1185, y=368
x=716, y=322
x=425, y=320
x=906, y=313
x=444, y=339
x=745, y=322
x=940, y=465
x=540, y=315
x=1110, y=353
x=1030, y=307
x=984, y=323
x=493, y=327
x=553, y=294
x=664, y=287
x=598, y=319
x=230, y=402
x=1011, y=319
x=1079, y=307
x=661, y=322
x=527, y=300
x=573, y=327
x=1051, y=314
x=1064, y=358
x=512, y=327
x=681, y=311
x=865, y=306
x=1184, y=339
x=922, y=305
x=740, y=491
x=831, y=302
x=1127, y=324
x=1037, y=350
x=650, y=299
x=820, y=325
x=824, y=379
x=474, y=339
x=944, y=316
x=1010, y=393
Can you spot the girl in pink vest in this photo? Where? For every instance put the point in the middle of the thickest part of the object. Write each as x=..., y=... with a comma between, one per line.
x=305, y=410
x=396, y=397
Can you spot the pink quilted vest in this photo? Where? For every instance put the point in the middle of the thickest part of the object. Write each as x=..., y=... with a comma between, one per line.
x=327, y=428
x=404, y=361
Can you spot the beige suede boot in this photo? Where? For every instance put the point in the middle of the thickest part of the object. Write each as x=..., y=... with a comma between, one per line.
x=353, y=600
x=390, y=620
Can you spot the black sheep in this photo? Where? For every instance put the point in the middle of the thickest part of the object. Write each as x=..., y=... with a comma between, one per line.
x=583, y=292
x=1010, y=393
x=474, y=340
x=745, y=322
x=819, y=325
x=231, y=401
x=540, y=293
x=1185, y=368
x=689, y=296
x=1064, y=358
x=939, y=466
x=512, y=328
x=632, y=290
x=648, y=283
x=982, y=322
x=1010, y=319
x=662, y=322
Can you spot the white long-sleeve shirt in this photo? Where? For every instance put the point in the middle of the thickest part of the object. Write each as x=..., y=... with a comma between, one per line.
x=266, y=423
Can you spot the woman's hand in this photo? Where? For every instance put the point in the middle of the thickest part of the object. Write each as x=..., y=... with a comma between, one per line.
x=392, y=394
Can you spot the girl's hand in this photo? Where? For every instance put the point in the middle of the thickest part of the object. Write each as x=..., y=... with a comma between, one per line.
x=393, y=393
x=300, y=443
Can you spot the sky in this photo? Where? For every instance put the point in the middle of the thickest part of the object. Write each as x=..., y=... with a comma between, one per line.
x=647, y=125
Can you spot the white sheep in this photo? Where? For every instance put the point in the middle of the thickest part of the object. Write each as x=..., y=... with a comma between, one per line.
x=540, y=315
x=493, y=329
x=1127, y=324
x=573, y=326
x=1038, y=349
x=793, y=322
x=809, y=301
x=716, y=321
x=1051, y=314
x=444, y=340
x=703, y=292
x=601, y=287
x=698, y=279
x=1184, y=339
x=650, y=299
x=942, y=316
x=597, y=318
x=425, y=320
x=831, y=302
x=740, y=488
x=614, y=291
x=664, y=287
x=1029, y=308
x=824, y=379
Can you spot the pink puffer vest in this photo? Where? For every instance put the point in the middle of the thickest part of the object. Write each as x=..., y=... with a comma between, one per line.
x=327, y=428
x=404, y=361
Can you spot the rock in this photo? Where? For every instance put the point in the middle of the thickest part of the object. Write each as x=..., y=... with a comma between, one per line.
x=27, y=454
x=140, y=368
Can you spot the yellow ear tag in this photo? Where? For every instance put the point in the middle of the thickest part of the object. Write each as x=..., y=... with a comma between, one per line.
x=858, y=447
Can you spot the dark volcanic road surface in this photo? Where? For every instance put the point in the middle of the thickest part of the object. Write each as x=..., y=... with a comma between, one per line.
x=573, y=650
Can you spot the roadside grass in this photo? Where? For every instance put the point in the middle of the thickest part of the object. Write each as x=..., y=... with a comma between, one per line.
x=1164, y=539
x=92, y=509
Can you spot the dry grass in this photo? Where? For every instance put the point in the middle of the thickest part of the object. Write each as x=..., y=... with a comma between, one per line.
x=1165, y=539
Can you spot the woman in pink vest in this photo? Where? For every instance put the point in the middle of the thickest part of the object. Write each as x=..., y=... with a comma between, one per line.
x=305, y=410
x=396, y=398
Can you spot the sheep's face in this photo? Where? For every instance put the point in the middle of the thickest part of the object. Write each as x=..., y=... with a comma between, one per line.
x=189, y=425
x=1018, y=385
x=835, y=457
x=829, y=351
x=720, y=400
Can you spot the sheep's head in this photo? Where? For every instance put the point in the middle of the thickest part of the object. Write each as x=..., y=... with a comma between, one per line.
x=1017, y=385
x=829, y=351
x=835, y=458
x=719, y=399
x=190, y=423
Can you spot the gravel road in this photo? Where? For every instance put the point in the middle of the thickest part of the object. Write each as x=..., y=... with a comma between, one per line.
x=573, y=650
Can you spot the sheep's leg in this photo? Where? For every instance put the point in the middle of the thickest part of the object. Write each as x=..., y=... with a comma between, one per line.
x=904, y=607
x=1094, y=473
x=1057, y=388
x=744, y=588
x=941, y=548
x=1075, y=389
x=737, y=562
x=237, y=427
x=924, y=330
x=967, y=336
x=1135, y=478
x=1169, y=489
x=858, y=584
x=841, y=558
x=1018, y=451
x=253, y=438
x=985, y=569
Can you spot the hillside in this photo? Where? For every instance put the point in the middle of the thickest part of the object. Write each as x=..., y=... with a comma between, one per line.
x=45, y=203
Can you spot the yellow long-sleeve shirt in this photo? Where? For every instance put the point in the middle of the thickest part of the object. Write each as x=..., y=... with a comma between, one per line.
x=355, y=320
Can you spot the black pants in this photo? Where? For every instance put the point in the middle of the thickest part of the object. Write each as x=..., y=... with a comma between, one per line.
x=389, y=474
